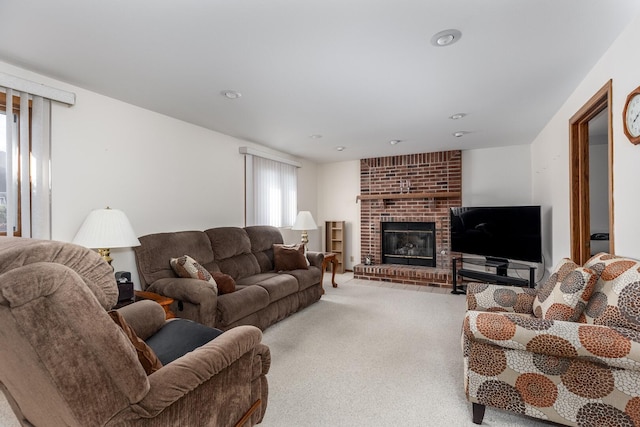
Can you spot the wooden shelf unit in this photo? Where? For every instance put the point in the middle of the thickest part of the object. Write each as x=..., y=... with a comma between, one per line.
x=335, y=235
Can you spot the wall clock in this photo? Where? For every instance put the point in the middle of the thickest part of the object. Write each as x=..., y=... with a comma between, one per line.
x=631, y=116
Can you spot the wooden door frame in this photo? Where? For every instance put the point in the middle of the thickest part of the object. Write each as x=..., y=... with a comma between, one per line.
x=579, y=173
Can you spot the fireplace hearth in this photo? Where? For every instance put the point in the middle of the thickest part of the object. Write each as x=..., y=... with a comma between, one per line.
x=409, y=243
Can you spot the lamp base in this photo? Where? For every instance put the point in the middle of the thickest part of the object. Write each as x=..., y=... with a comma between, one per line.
x=304, y=238
x=105, y=254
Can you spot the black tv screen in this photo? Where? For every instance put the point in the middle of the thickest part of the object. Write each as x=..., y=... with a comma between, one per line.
x=504, y=232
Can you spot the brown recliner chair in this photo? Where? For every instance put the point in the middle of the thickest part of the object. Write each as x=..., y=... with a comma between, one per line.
x=63, y=361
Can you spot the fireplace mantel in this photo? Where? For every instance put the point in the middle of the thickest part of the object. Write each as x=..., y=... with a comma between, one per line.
x=430, y=195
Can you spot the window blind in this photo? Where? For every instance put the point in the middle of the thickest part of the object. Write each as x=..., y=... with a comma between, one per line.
x=271, y=191
x=26, y=143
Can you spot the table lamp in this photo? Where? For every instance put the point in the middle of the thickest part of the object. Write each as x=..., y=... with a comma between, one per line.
x=104, y=229
x=304, y=222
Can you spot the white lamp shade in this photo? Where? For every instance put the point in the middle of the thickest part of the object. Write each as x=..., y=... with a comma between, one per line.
x=106, y=228
x=304, y=221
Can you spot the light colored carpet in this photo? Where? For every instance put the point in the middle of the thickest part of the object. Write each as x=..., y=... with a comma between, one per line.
x=7, y=419
x=368, y=354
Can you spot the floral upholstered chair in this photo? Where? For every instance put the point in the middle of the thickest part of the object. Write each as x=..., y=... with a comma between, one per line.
x=567, y=352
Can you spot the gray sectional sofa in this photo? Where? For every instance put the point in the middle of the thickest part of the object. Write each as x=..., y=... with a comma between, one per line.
x=262, y=297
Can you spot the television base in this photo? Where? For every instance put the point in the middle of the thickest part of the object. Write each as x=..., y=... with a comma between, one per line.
x=500, y=277
x=495, y=262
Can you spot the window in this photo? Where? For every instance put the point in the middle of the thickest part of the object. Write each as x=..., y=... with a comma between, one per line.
x=25, y=107
x=25, y=192
x=9, y=176
x=271, y=191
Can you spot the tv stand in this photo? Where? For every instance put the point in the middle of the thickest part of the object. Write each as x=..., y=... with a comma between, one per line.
x=499, y=277
x=495, y=262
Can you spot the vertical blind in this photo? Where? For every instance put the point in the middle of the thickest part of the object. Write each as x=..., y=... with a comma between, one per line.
x=25, y=191
x=27, y=205
x=271, y=192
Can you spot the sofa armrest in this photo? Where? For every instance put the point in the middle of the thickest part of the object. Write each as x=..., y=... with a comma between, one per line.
x=145, y=317
x=194, y=299
x=195, y=291
x=315, y=258
x=488, y=297
x=616, y=347
x=182, y=377
x=263, y=352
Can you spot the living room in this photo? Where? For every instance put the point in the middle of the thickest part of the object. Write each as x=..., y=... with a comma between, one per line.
x=102, y=143
x=168, y=174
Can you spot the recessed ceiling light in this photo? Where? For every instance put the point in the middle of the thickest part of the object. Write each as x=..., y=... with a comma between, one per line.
x=395, y=141
x=315, y=136
x=457, y=116
x=460, y=133
x=340, y=148
x=230, y=94
x=445, y=38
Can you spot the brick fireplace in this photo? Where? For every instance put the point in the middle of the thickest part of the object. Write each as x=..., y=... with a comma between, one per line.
x=416, y=188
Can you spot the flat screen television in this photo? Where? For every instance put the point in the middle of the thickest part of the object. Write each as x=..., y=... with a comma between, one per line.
x=498, y=232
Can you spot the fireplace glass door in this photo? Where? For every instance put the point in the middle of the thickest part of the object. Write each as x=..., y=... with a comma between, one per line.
x=409, y=243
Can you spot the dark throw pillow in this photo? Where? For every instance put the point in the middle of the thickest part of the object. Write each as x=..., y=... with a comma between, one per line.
x=289, y=257
x=226, y=283
x=146, y=356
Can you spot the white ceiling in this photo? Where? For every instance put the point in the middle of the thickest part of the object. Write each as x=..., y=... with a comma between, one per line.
x=357, y=72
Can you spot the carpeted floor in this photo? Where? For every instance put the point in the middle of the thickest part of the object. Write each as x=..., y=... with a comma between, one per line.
x=373, y=354
x=7, y=419
x=368, y=354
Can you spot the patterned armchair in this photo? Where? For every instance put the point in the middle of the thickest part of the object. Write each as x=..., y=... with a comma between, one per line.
x=567, y=352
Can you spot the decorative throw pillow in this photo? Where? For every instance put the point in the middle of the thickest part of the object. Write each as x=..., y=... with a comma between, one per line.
x=289, y=257
x=566, y=293
x=148, y=359
x=615, y=300
x=226, y=283
x=187, y=267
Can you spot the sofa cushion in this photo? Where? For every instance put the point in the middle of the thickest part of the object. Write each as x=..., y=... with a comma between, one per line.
x=226, y=284
x=241, y=303
x=232, y=252
x=263, y=237
x=615, y=298
x=277, y=285
x=289, y=257
x=147, y=357
x=306, y=277
x=187, y=267
x=227, y=242
x=155, y=251
x=566, y=293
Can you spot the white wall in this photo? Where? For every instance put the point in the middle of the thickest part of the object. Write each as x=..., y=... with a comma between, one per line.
x=338, y=186
x=307, y=201
x=550, y=152
x=496, y=176
x=165, y=174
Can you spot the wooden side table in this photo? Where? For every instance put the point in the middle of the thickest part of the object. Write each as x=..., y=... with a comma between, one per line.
x=165, y=302
x=329, y=257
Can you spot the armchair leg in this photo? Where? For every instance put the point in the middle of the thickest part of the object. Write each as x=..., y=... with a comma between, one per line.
x=478, y=413
x=246, y=417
